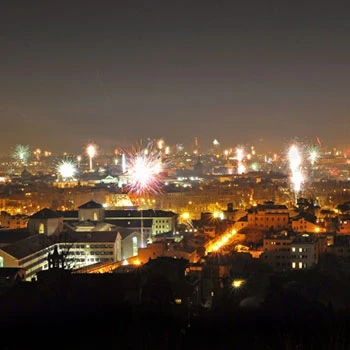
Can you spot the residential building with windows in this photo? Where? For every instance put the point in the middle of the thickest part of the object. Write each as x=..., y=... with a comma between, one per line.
x=340, y=247
x=344, y=225
x=13, y=221
x=291, y=252
x=305, y=250
x=306, y=223
x=276, y=252
x=268, y=216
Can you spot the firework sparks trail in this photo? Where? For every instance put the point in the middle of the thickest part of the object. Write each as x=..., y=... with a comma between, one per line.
x=240, y=156
x=91, y=151
x=123, y=163
x=295, y=160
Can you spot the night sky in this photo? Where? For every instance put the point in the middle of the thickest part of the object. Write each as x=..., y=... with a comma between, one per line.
x=114, y=72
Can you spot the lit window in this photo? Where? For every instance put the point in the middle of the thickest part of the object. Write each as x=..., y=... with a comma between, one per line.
x=237, y=283
x=300, y=249
x=300, y=265
x=293, y=265
x=134, y=246
x=41, y=228
x=293, y=249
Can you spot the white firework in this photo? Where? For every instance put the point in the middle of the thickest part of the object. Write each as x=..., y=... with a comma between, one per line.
x=295, y=161
x=67, y=170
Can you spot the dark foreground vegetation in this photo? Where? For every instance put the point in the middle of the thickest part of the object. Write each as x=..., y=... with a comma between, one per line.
x=285, y=320
x=300, y=310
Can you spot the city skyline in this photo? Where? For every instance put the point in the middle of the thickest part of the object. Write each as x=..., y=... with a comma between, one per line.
x=309, y=148
x=112, y=74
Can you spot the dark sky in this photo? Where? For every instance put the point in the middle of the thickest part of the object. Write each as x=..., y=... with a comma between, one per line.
x=113, y=72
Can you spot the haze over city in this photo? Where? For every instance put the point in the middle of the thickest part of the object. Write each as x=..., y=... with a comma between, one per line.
x=112, y=73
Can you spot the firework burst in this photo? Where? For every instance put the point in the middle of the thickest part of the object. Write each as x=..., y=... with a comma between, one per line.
x=313, y=155
x=145, y=168
x=67, y=169
x=21, y=154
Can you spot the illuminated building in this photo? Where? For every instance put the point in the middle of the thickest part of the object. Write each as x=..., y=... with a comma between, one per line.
x=306, y=223
x=46, y=222
x=277, y=252
x=80, y=249
x=268, y=216
x=47, y=231
x=91, y=211
x=305, y=251
x=88, y=236
x=344, y=226
x=154, y=221
x=13, y=221
x=285, y=252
